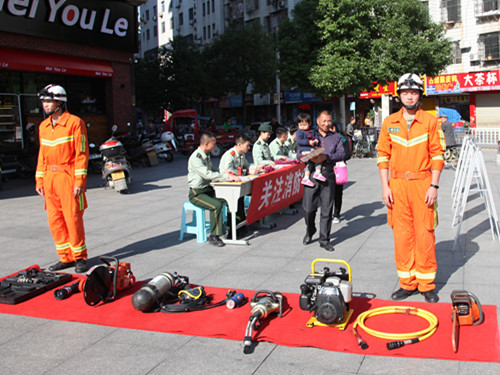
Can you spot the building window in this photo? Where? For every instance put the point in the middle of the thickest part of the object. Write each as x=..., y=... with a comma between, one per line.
x=208, y=31
x=203, y=12
x=452, y=10
x=163, y=27
x=213, y=29
x=204, y=33
x=457, y=53
x=181, y=19
x=213, y=6
x=208, y=7
x=490, y=5
x=148, y=34
x=154, y=11
x=491, y=44
x=155, y=30
x=191, y=14
x=147, y=14
x=162, y=6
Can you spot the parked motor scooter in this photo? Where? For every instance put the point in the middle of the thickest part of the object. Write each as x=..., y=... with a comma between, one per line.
x=116, y=170
x=165, y=146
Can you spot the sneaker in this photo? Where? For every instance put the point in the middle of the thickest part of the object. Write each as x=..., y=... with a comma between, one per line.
x=307, y=182
x=81, y=266
x=336, y=220
x=216, y=241
x=318, y=176
x=61, y=266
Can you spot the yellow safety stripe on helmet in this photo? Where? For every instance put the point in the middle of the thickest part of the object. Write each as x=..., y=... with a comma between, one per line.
x=406, y=275
x=442, y=142
x=438, y=157
x=382, y=159
x=63, y=246
x=426, y=276
x=58, y=141
x=80, y=172
x=39, y=174
x=409, y=143
x=82, y=145
x=79, y=249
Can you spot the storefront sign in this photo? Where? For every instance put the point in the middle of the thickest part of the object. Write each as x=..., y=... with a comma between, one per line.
x=259, y=99
x=443, y=84
x=110, y=24
x=463, y=82
x=378, y=90
x=480, y=81
x=293, y=97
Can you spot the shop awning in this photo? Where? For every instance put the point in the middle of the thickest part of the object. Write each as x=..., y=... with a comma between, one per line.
x=31, y=61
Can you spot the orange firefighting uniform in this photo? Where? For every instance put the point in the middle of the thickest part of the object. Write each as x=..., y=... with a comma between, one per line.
x=62, y=165
x=410, y=156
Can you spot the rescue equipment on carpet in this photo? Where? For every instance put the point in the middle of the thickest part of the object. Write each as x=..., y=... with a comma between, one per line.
x=172, y=293
x=29, y=283
x=263, y=304
x=408, y=338
x=466, y=311
x=104, y=281
x=328, y=294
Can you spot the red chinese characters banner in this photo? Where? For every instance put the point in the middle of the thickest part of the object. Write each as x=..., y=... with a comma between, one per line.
x=480, y=81
x=378, y=90
x=275, y=191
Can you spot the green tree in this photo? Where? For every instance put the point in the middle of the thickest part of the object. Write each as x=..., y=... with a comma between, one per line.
x=148, y=97
x=299, y=43
x=242, y=56
x=361, y=41
x=182, y=69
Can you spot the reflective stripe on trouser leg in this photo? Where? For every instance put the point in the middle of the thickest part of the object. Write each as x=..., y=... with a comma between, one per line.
x=205, y=198
x=66, y=217
x=413, y=228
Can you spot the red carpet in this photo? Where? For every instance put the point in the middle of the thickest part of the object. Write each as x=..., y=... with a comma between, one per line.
x=477, y=343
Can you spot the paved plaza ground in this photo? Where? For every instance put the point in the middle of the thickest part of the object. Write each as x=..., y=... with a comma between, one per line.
x=143, y=228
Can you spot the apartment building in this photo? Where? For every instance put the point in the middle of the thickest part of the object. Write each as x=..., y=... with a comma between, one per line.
x=470, y=86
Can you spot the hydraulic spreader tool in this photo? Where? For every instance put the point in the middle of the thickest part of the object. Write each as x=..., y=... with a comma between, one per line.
x=263, y=304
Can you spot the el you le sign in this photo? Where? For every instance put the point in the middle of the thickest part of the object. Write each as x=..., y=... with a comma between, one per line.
x=70, y=15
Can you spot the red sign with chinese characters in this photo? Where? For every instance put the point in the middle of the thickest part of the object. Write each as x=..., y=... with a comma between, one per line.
x=480, y=81
x=378, y=90
x=275, y=191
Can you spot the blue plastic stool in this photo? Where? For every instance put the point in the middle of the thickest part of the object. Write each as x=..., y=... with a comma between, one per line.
x=198, y=225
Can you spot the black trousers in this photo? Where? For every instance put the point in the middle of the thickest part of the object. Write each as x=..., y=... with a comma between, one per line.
x=321, y=196
x=339, y=192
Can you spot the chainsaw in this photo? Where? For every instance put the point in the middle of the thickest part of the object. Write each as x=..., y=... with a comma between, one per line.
x=466, y=311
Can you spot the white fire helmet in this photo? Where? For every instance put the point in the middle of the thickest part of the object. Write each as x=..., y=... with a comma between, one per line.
x=53, y=92
x=410, y=81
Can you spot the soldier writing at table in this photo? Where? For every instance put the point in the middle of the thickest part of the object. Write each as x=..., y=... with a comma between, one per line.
x=200, y=173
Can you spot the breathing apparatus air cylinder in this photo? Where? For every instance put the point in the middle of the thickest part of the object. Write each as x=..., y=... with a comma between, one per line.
x=151, y=293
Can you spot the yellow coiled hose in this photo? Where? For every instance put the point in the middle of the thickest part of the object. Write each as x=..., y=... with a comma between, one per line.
x=408, y=338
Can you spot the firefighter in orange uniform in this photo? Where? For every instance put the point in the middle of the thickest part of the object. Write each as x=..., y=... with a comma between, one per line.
x=61, y=175
x=411, y=147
